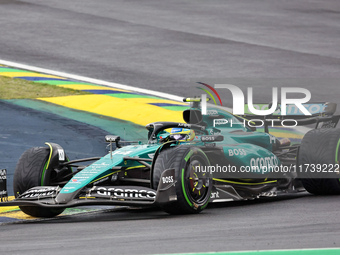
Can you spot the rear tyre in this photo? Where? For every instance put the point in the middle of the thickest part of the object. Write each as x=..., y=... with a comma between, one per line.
x=320, y=147
x=193, y=188
x=28, y=174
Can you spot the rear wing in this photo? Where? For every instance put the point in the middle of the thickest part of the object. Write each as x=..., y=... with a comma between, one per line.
x=322, y=115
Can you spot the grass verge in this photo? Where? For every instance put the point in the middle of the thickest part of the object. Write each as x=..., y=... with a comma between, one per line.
x=12, y=88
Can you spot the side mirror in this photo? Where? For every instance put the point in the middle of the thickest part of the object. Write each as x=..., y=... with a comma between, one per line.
x=113, y=139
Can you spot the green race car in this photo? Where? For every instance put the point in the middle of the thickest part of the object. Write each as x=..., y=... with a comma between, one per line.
x=215, y=157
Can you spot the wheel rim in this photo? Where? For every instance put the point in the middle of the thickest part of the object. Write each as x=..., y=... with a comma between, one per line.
x=197, y=182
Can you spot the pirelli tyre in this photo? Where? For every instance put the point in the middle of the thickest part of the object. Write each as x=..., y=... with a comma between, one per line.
x=32, y=171
x=193, y=188
x=318, y=158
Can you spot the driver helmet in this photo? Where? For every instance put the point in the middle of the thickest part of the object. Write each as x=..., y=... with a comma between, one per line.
x=182, y=134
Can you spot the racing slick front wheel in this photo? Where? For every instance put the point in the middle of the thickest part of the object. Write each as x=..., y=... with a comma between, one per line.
x=193, y=187
x=31, y=172
x=318, y=161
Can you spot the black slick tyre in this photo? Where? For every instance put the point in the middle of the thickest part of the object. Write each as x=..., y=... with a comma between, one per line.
x=193, y=188
x=320, y=150
x=29, y=173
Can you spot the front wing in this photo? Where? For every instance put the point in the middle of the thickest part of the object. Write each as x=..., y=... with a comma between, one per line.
x=45, y=196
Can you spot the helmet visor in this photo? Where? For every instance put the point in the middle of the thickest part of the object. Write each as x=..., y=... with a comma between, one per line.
x=179, y=136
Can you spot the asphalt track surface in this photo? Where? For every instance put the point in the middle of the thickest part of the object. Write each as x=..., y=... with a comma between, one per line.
x=166, y=45
x=22, y=128
x=162, y=45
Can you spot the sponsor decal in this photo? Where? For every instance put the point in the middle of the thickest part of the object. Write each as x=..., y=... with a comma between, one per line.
x=114, y=177
x=264, y=162
x=167, y=179
x=184, y=125
x=40, y=192
x=329, y=124
x=272, y=139
x=212, y=138
x=215, y=131
x=121, y=152
x=173, y=198
x=99, y=165
x=237, y=152
x=3, y=185
x=215, y=194
x=120, y=192
x=61, y=154
x=212, y=112
x=208, y=138
x=220, y=122
x=176, y=130
x=3, y=174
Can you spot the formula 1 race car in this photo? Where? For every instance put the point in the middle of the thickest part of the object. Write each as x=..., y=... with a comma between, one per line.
x=210, y=158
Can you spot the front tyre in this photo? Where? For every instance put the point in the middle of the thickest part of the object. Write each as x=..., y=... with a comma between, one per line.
x=193, y=187
x=28, y=174
x=320, y=147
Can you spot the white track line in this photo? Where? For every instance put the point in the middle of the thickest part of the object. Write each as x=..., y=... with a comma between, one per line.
x=91, y=80
x=106, y=83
